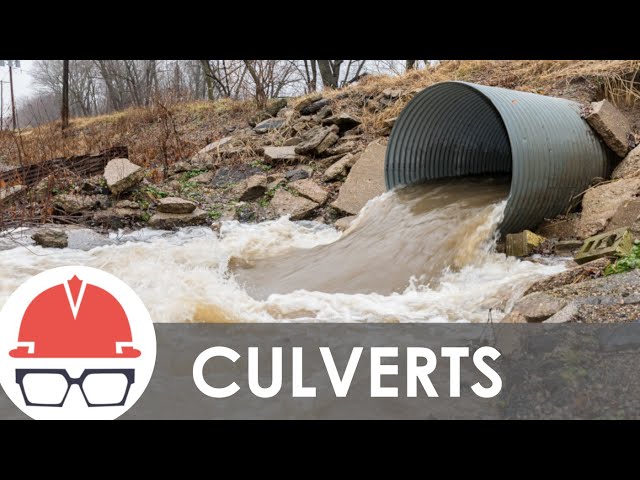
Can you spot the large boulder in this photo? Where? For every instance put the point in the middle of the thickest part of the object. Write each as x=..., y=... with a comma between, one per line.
x=175, y=205
x=170, y=221
x=311, y=190
x=74, y=203
x=51, y=238
x=340, y=168
x=612, y=126
x=365, y=181
x=630, y=166
x=121, y=175
x=285, y=203
x=600, y=204
x=281, y=154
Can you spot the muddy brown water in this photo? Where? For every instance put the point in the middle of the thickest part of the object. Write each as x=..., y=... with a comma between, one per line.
x=417, y=232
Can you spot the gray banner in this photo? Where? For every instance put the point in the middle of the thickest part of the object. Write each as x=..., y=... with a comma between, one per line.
x=546, y=371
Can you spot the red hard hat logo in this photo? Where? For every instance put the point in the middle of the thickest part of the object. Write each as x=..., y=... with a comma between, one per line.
x=75, y=320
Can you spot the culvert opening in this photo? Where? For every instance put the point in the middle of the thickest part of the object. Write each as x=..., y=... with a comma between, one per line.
x=457, y=129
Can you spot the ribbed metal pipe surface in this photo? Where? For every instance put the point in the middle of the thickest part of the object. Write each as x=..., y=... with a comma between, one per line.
x=453, y=129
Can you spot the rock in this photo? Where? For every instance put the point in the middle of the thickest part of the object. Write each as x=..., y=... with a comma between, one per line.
x=314, y=107
x=566, y=247
x=281, y=154
x=307, y=101
x=226, y=176
x=180, y=167
x=581, y=273
x=630, y=166
x=285, y=203
x=322, y=114
x=612, y=126
x=300, y=173
x=94, y=185
x=388, y=125
x=616, y=243
x=290, y=142
x=311, y=190
x=522, y=244
x=244, y=212
x=269, y=124
x=253, y=188
x=325, y=144
x=365, y=181
x=42, y=190
x=9, y=194
x=73, y=203
x=514, y=317
x=539, y=306
x=601, y=203
x=344, y=121
x=170, y=221
x=312, y=139
x=51, y=238
x=274, y=106
x=204, y=178
x=212, y=150
x=340, y=168
x=344, y=222
x=257, y=118
x=116, y=218
x=127, y=204
x=175, y=205
x=392, y=92
x=627, y=215
x=569, y=313
x=121, y=175
x=560, y=227
x=341, y=148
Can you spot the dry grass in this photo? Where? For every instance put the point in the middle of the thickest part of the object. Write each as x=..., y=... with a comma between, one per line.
x=166, y=133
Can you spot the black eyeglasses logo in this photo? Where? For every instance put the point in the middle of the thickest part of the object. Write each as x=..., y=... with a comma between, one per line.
x=100, y=387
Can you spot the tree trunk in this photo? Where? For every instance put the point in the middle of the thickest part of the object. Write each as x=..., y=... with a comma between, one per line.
x=65, y=94
x=327, y=74
x=410, y=64
x=208, y=78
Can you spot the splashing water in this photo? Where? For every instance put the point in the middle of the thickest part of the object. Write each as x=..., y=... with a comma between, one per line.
x=419, y=254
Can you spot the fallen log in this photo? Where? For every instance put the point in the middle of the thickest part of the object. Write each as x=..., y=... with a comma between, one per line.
x=84, y=165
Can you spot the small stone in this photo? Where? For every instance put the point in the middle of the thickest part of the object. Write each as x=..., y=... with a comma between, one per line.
x=285, y=203
x=539, y=306
x=630, y=166
x=281, y=154
x=307, y=101
x=344, y=121
x=253, y=188
x=312, y=139
x=212, y=150
x=180, y=167
x=344, y=222
x=293, y=141
x=311, y=190
x=170, y=221
x=298, y=173
x=50, y=238
x=175, y=205
x=340, y=168
x=314, y=107
x=204, y=178
x=325, y=144
x=341, y=148
x=73, y=203
x=269, y=124
x=121, y=175
x=322, y=114
x=127, y=204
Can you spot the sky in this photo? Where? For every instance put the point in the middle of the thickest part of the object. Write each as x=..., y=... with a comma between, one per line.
x=22, y=82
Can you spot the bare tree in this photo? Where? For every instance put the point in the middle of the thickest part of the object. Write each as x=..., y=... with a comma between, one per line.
x=65, y=94
x=410, y=64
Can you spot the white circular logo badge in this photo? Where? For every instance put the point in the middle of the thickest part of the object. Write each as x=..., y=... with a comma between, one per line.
x=75, y=343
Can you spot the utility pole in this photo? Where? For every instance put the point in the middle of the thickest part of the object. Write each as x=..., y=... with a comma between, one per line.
x=65, y=94
x=13, y=101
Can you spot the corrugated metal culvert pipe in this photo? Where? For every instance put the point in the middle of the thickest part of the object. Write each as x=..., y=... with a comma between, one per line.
x=454, y=129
